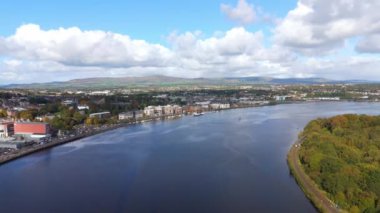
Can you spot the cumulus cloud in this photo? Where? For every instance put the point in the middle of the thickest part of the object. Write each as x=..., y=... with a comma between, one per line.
x=353, y=67
x=73, y=46
x=33, y=54
x=71, y=51
x=234, y=52
x=243, y=13
x=319, y=26
x=369, y=44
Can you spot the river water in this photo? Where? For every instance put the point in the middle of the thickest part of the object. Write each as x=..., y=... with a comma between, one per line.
x=231, y=161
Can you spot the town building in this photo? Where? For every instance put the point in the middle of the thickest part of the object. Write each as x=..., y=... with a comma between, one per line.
x=126, y=116
x=149, y=111
x=83, y=107
x=45, y=118
x=12, y=145
x=168, y=110
x=32, y=130
x=158, y=111
x=178, y=110
x=6, y=129
x=68, y=102
x=139, y=114
x=204, y=105
x=218, y=106
x=100, y=93
x=100, y=115
x=281, y=98
x=154, y=111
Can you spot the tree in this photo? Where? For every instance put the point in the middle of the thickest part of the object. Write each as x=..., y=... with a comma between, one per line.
x=3, y=114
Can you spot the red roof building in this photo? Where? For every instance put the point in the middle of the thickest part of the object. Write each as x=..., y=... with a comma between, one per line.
x=31, y=128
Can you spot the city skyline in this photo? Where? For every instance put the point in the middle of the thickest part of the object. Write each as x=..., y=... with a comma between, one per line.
x=44, y=41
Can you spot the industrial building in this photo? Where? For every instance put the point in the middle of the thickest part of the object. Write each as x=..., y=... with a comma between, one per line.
x=32, y=130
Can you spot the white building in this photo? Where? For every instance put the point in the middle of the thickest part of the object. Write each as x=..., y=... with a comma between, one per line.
x=126, y=116
x=169, y=110
x=173, y=110
x=281, y=98
x=104, y=92
x=178, y=110
x=100, y=115
x=149, y=111
x=158, y=111
x=204, y=105
x=217, y=106
x=83, y=107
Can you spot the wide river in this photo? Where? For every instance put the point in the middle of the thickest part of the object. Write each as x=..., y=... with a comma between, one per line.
x=231, y=161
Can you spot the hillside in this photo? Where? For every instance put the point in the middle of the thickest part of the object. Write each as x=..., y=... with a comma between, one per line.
x=342, y=156
x=161, y=81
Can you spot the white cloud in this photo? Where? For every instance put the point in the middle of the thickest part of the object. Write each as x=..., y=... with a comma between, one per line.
x=350, y=67
x=369, y=44
x=235, y=52
x=72, y=52
x=243, y=13
x=33, y=54
x=318, y=26
x=73, y=46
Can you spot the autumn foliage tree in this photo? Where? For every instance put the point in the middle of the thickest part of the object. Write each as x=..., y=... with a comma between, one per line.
x=342, y=155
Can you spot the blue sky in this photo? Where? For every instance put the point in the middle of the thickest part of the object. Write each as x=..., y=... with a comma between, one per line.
x=288, y=38
x=142, y=19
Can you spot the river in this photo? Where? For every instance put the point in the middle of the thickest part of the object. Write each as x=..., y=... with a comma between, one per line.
x=230, y=161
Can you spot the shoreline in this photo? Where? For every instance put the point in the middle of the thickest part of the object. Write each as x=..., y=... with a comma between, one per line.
x=30, y=150
x=315, y=195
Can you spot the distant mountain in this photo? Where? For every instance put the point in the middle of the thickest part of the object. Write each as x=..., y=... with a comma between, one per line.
x=162, y=81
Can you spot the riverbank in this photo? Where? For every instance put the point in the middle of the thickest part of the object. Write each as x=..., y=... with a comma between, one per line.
x=317, y=197
x=27, y=151
x=57, y=142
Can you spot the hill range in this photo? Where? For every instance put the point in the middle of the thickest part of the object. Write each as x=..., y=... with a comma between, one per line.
x=162, y=81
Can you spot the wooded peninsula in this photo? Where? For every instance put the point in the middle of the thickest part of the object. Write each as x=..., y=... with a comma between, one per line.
x=342, y=156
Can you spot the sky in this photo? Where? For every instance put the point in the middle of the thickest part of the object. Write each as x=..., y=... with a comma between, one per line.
x=44, y=40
